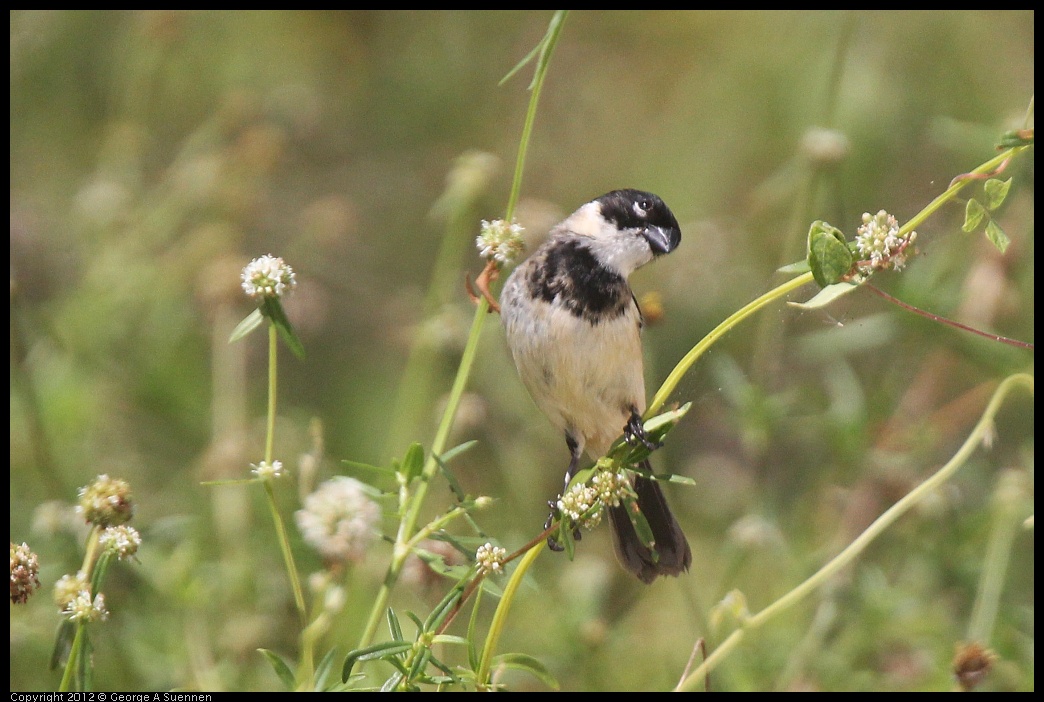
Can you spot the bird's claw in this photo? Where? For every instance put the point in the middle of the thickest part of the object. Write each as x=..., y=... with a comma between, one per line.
x=634, y=434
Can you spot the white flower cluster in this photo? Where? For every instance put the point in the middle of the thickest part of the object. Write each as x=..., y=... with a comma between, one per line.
x=577, y=501
x=122, y=540
x=879, y=243
x=339, y=520
x=612, y=487
x=106, y=501
x=266, y=470
x=82, y=608
x=500, y=241
x=25, y=569
x=490, y=558
x=72, y=594
x=267, y=276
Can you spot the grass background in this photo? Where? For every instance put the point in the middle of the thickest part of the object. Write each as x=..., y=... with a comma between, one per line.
x=153, y=154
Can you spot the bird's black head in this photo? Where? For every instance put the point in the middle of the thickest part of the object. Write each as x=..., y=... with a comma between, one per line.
x=644, y=212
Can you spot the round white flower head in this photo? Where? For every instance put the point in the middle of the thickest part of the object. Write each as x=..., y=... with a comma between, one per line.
x=106, y=501
x=879, y=243
x=122, y=540
x=500, y=241
x=577, y=502
x=612, y=487
x=266, y=470
x=490, y=558
x=339, y=520
x=84, y=609
x=268, y=276
x=25, y=569
x=68, y=588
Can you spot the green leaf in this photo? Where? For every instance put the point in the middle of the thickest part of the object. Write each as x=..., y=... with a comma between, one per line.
x=673, y=478
x=996, y=191
x=419, y=662
x=249, y=324
x=454, y=484
x=491, y=588
x=63, y=640
x=367, y=469
x=657, y=427
x=393, y=682
x=450, y=676
x=85, y=664
x=450, y=639
x=825, y=296
x=521, y=661
x=416, y=620
x=413, y=462
x=452, y=453
x=656, y=430
x=565, y=537
x=638, y=520
x=446, y=604
x=541, y=49
x=273, y=309
x=473, y=654
x=393, y=626
x=828, y=254
x=973, y=214
x=997, y=236
x=383, y=650
x=282, y=670
x=323, y=669
x=797, y=268
x=101, y=568
x=1016, y=137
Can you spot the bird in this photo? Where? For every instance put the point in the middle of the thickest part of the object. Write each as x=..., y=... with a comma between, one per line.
x=573, y=327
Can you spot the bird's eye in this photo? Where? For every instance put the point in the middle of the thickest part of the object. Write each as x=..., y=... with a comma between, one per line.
x=642, y=206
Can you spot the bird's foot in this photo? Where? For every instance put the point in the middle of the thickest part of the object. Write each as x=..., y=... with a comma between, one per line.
x=634, y=433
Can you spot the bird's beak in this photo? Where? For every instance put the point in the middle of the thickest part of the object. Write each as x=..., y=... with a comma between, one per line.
x=662, y=240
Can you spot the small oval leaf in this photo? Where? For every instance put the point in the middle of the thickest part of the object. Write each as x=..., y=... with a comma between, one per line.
x=249, y=324
x=413, y=462
x=282, y=670
x=973, y=214
x=381, y=650
x=521, y=661
x=997, y=236
x=825, y=296
x=828, y=254
x=996, y=192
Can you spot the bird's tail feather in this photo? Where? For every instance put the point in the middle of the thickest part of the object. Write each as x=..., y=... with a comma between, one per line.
x=669, y=553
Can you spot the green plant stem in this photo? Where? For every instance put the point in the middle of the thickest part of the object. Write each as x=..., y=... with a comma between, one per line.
x=719, y=331
x=984, y=612
x=500, y=616
x=852, y=551
x=277, y=519
x=90, y=558
x=273, y=384
x=74, y=654
x=956, y=187
x=1008, y=514
x=408, y=525
x=549, y=42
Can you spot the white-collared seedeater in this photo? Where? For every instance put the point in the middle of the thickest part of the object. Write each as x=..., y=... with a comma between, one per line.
x=574, y=330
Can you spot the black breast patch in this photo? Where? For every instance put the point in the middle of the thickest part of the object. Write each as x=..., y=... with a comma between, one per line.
x=570, y=276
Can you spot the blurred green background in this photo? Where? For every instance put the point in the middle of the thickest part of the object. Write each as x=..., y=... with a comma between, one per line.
x=153, y=154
